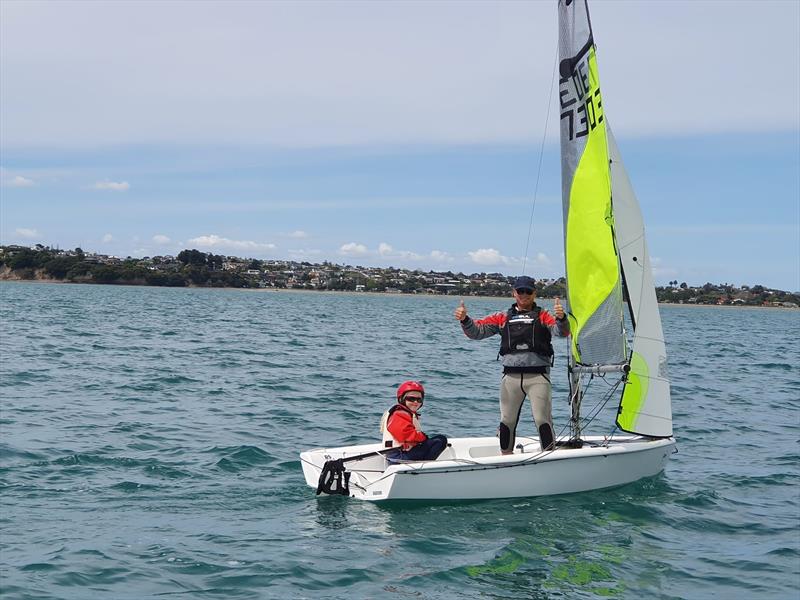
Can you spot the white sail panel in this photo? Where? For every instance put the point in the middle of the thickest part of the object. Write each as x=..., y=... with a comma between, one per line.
x=645, y=407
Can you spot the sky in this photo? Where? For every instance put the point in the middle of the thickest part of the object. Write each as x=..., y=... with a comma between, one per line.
x=420, y=135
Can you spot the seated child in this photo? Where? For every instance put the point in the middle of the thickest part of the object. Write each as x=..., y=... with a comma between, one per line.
x=400, y=426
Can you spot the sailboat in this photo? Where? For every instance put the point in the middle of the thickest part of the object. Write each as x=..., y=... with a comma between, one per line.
x=609, y=290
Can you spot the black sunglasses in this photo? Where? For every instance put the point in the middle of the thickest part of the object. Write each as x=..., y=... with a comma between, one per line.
x=524, y=291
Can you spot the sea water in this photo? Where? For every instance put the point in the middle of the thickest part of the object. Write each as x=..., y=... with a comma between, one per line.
x=150, y=439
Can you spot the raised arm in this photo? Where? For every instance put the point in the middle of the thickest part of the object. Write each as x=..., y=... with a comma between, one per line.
x=482, y=328
x=560, y=324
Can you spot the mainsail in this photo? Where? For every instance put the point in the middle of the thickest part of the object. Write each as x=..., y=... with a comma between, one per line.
x=594, y=284
x=604, y=241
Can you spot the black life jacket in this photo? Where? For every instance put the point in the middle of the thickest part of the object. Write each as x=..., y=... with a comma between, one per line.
x=524, y=332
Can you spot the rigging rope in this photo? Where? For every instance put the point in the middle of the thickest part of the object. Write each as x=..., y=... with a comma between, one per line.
x=601, y=403
x=539, y=169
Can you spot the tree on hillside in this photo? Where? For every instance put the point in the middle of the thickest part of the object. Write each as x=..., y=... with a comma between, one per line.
x=214, y=262
x=59, y=266
x=105, y=274
x=29, y=259
x=197, y=275
x=192, y=257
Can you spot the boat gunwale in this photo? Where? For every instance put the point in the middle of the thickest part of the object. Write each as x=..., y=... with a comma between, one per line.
x=465, y=465
x=608, y=447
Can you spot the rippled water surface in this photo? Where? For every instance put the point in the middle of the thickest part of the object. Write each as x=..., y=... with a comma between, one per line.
x=150, y=443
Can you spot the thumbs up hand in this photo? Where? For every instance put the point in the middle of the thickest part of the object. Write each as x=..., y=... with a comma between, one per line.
x=460, y=312
x=558, y=309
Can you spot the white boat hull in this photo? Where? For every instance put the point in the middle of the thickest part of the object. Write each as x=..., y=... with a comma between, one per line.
x=473, y=468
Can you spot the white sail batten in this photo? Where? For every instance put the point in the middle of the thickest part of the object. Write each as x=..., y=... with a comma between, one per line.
x=645, y=407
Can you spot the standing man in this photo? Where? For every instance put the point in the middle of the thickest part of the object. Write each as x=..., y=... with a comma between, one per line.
x=525, y=345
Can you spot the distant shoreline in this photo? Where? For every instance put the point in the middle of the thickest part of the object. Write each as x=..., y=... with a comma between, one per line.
x=195, y=269
x=257, y=290
x=352, y=293
x=734, y=306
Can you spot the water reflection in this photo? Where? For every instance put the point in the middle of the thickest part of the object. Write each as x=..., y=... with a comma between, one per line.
x=576, y=546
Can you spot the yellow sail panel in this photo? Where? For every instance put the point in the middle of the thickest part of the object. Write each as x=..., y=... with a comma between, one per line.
x=593, y=274
x=594, y=286
x=634, y=394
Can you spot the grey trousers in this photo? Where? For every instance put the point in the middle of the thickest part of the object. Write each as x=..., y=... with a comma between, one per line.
x=513, y=389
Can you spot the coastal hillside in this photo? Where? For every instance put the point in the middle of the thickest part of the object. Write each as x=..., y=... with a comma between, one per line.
x=192, y=268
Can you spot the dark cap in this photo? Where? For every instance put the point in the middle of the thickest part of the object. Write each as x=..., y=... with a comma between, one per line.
x=524, y=283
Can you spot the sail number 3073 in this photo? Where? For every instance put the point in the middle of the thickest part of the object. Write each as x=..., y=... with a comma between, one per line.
x=581, y=103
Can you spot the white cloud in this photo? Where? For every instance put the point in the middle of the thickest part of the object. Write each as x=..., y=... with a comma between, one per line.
x=112, y=186
x=353, y=249
x=9, y=180
x=215, y=241
x=304, y=253
x=161, y=239
x=441, y=257
x=488, y=257
x=18, y=181
x=386, y=251
x=108, y=238
x=298, y=234
x=660, y=271
x=541, y=260
x=27, y=233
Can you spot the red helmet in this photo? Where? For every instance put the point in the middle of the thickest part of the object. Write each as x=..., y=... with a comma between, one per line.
x=409, y=386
